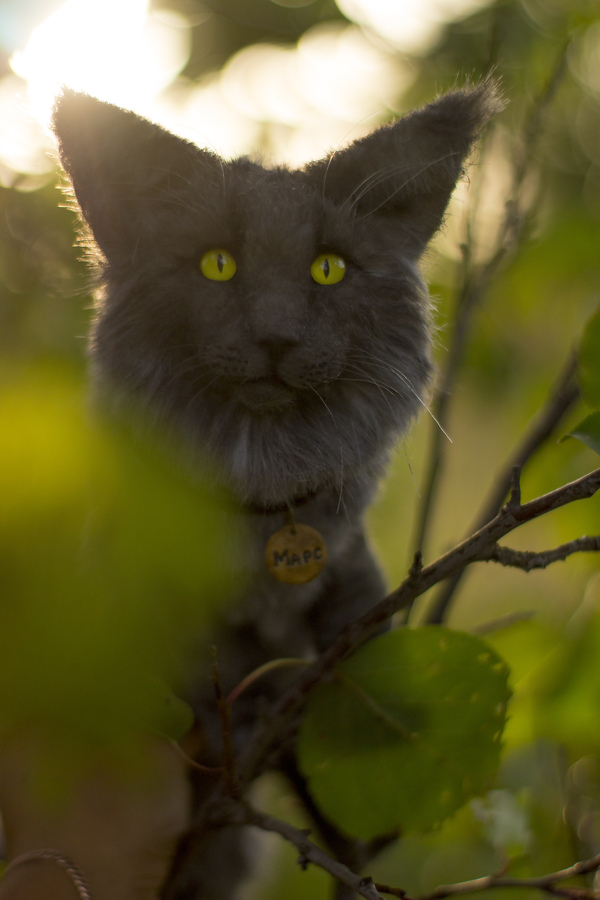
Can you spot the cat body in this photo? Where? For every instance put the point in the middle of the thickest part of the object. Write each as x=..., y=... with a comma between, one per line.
x=293, y=381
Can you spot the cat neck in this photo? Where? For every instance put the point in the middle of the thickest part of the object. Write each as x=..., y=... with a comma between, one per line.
x=277, y=509
x=344, y=505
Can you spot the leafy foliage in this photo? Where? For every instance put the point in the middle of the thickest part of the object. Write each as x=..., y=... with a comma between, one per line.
x=589, y=362
x=88, y=631
x=588, y=431
x=406, y=732
x=75, y=652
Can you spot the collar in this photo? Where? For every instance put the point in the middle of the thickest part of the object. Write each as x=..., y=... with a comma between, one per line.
x=294, y=503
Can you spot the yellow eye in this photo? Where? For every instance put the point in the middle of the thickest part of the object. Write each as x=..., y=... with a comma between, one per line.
x=218, y=265
x=328, y=268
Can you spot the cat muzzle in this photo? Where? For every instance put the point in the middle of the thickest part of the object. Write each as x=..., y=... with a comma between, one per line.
x=265, y=395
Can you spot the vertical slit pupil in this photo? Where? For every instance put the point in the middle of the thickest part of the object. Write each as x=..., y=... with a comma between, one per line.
x=326, y=268
x=220, y=262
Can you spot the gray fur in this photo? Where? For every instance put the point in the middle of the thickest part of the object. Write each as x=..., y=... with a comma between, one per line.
x=295, y=391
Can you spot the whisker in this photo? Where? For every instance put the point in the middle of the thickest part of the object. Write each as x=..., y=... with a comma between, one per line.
x=341, y=491
x=185, y=367
x=368, y=378
x=377, y=178
x=371, y=381
x=202, y=390
x=410, y=469
x=340, y=144
x=413, y=177
x=370, y=182
x=406, y=380
x=322, y=399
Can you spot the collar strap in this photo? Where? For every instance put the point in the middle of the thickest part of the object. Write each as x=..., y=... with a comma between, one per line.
x=293, y=504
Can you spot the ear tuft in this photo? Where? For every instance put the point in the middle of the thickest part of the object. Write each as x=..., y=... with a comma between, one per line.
x=98, y=139
x=116, y=162
x=408, y=170
x=462, y=114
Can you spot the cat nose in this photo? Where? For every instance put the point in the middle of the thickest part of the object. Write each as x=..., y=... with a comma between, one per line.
x=276, y=326
x=277, y=344
x=276, y=347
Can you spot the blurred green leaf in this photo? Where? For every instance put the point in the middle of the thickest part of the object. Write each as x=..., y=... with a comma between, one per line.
x=409, y=729
x=588, y=431
x=87, y=626
x=567, y=688
x=112, y=561
x=589, y=362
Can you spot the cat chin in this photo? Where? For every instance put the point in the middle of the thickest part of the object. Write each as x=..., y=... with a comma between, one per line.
x=271, y=457
x=274, y=460
x=277, y=485
x=263, y=395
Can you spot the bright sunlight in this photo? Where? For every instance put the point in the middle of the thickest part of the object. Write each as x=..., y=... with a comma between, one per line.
x=299, y=101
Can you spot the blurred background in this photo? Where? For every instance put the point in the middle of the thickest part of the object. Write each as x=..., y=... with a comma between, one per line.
x=292, y=80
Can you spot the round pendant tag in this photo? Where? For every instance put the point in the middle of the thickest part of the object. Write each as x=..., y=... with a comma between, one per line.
x=296, y=554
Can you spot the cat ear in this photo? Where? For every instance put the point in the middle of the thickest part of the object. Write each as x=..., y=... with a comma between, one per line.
x=117, y=163
x=407, y=171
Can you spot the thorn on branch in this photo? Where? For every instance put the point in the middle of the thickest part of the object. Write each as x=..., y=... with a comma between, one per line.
x=514, y=501
x=311, y=853
x=476, y=548
x=415, y=570
x=395, y=892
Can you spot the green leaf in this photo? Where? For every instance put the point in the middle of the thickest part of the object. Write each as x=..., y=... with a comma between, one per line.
x=588, y=431
x=112, y=564
x=589, y=362
x=565, y=687
x=408, y=730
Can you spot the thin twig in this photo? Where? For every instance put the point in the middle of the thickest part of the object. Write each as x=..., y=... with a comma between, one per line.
x=353, y=852
x=475, y=282
x=387, y=889
x=502, y=622
x=265, y=669
x=226, y=808
x=529, y=560
x=193, y=764
x=471, y=550
x=311, y=853
x=546, y=883
x=560, y=399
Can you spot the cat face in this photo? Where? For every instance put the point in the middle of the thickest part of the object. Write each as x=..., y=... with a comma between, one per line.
x=275, y=317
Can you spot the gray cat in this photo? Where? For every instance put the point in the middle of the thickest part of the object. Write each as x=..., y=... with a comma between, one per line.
x=277, y=322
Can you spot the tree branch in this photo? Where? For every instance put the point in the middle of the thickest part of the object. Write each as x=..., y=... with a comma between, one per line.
x=241, y=813
x=529, y=560
x=560, y=399
x=223, y=809
x=353, y=852
x=475, y=548
x=475, y=281
x=311, y=853
x=547, y=883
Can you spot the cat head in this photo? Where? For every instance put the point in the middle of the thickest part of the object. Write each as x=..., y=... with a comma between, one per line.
x=275, y=317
